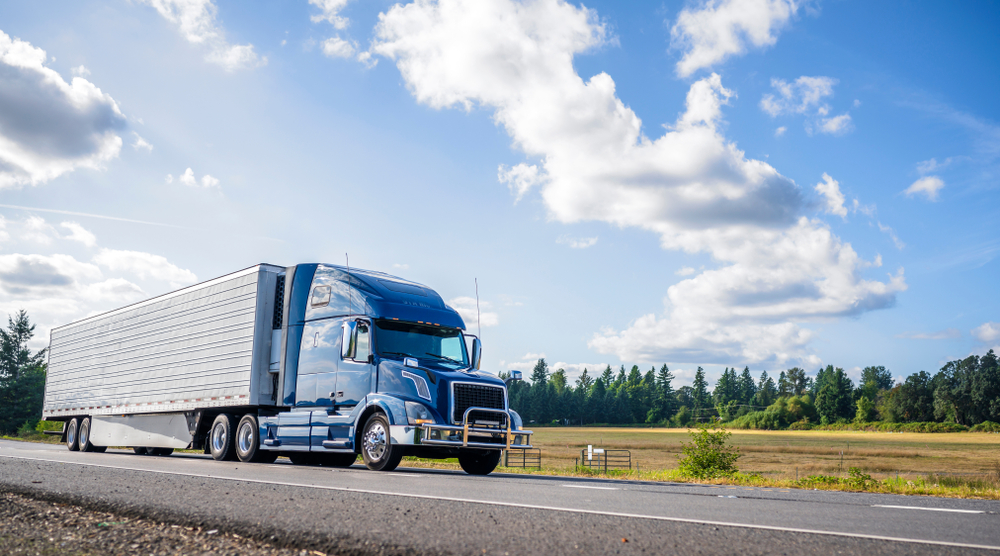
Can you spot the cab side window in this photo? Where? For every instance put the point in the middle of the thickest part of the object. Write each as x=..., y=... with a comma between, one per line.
x=363, y=349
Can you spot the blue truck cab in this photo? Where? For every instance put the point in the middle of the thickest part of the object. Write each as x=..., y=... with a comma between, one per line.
x=371, y=364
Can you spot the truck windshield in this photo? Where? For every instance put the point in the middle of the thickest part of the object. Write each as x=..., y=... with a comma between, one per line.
x=404, y=339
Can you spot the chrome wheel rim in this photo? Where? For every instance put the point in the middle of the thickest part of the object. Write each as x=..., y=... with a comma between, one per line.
x=84, y=434
x=375, y=441
x=71, y=434
x=219, y=438
x=244, y=439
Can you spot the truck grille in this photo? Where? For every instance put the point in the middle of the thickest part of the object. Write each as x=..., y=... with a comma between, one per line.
x=478, y=395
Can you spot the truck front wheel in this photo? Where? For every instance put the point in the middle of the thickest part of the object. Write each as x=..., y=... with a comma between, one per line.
x=475, y=462
x=376, y=445
x=221, y=438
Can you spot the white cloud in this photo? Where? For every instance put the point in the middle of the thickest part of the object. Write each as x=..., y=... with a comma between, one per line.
x=780, y=131
x=932, y=165
x=520, y=179
x=196, y=20
x=927, y=185
x=714, y=30
x=892, y=235
x=336, y=47
x=79, y=233
x=466, y=308
x=697, y=191
x=806, y=95
x=577, y=242
x=36, y=230
x=141, y=143
x=49, y=127
x=829, y=188
x=80, y=71
x=188, y=179
x=169, y=178
x=946, y=334
x=838, y=125
x=685, y=271
x=988, y=332
x=144, y=265
x=330, y=12
x=533, y=357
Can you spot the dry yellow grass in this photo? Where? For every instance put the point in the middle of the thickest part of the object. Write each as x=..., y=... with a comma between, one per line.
x=783, y=454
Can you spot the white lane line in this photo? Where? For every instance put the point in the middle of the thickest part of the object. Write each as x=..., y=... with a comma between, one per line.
x=593, y=487
x=929, y=509
x=538, y=507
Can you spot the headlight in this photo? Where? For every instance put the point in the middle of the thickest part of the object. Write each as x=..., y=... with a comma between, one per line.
x=418, y=414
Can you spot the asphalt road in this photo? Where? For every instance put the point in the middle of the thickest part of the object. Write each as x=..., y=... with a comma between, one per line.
x=411, y=511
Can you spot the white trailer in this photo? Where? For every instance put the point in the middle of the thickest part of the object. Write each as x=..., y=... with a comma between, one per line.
x=143, y=375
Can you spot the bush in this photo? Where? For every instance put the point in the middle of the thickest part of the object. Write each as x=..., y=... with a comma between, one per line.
x=28, y=428
x=708, y=455
x=986, y=426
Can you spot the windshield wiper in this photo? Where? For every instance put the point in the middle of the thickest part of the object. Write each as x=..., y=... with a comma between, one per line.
x=442, y=357
x=395, y=353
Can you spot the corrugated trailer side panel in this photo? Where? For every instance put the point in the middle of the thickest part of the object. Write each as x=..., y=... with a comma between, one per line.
x=203, y=346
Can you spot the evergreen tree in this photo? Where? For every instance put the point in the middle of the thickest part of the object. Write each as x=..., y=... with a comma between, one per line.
x=22, y=374
x=619, y=378
x=607, y=376
x=699, y=391
x=664, y=400
x=747, y=388
x=726, y=388
x=596, y=402
x=798, y=381
x=767, y=392
x=784, y=385
x=540, y=406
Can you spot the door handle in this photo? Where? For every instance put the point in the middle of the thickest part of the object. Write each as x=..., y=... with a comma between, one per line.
x=316, y=340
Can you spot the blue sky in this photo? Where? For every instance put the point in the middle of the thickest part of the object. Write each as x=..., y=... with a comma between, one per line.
x=767, y=183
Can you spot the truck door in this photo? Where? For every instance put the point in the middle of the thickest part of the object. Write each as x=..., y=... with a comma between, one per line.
x=354, y=371
x=315, y=384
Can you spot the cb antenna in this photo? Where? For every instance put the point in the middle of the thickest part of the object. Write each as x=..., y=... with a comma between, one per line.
x=479, y=326
x=350, y=292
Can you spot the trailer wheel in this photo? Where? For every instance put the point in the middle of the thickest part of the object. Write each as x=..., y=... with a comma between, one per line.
x=248, y=442
x=71, y=440
x=139, y=450
x=83, y=436
x=479, y=462
x=376, y=445
x=221, y=438
x=338, y=460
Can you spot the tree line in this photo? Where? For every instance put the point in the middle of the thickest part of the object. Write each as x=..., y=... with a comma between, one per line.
x=965, y=392
x=22, y=376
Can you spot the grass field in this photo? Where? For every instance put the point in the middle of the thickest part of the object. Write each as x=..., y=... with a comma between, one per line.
x=785, y=454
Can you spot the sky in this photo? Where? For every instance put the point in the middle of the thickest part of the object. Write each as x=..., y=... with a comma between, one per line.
x=762, y=183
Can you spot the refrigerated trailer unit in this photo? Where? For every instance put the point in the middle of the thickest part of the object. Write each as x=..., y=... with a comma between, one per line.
x=315, y=362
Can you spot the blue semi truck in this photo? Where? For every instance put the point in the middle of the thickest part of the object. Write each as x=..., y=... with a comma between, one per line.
x=316, y=362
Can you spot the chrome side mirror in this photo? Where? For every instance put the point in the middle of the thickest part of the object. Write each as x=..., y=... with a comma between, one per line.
x=514, y=377
x=348, y=347
x=477, y=353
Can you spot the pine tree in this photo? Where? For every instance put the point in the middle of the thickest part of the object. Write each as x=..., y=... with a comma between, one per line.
x=700, y=391
x=607, y=376
x=22, y=374
x=747, y=388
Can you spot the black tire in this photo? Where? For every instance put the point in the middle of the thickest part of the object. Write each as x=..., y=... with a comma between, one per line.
x=338, y=460
x=71, y=436
x=222, y=438
x=159, y=451
x=248, y=442
x=479, y=462
x=99, y=449
x=139, y=450
x=83, y=436
x=377, y=448
x=303, y=458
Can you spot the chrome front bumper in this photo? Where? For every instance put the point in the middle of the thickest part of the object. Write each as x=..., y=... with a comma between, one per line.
x=464, y=435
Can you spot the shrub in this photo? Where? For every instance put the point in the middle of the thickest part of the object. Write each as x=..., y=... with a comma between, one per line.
x=708, y=455
x=986, y=426
x=28, y=428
